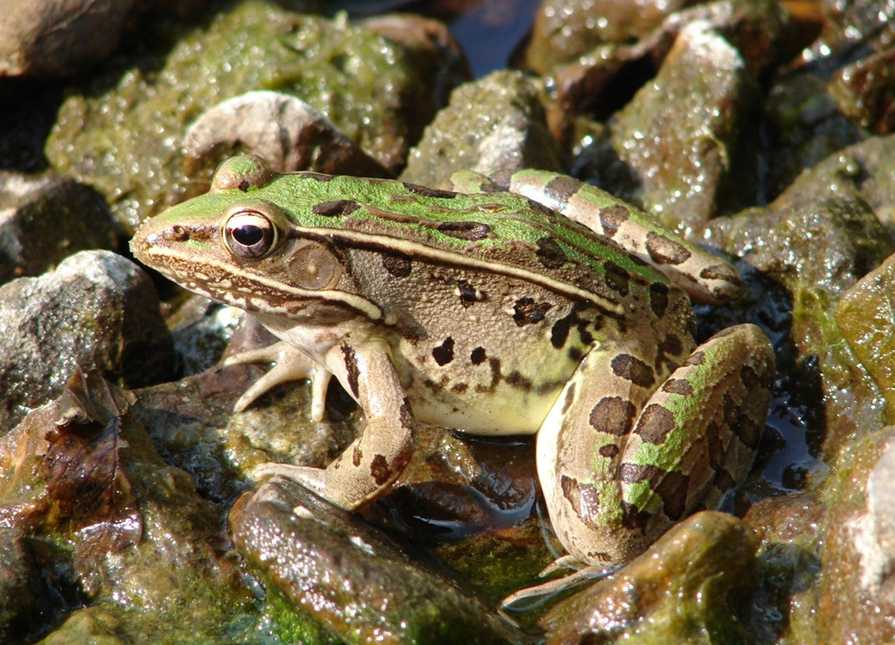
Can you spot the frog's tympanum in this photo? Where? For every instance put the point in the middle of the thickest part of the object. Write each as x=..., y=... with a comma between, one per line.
x=546, y=306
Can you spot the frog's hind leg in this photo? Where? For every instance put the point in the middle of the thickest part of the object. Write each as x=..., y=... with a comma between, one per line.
x=623, y=453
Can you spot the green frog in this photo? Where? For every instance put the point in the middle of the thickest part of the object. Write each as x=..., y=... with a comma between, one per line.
x=543, y=305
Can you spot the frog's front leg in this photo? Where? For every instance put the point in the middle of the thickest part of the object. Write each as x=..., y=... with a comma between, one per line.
x=617, y=471
x=290, y=364
x=371, y=464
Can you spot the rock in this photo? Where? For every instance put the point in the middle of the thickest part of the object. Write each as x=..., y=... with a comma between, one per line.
x=97, y=310
x=680, y=590
x=122, y=131
x=564, y=30
x=494, y=126
x=804, y=127
x=864, y=316
x=201, y=329
x=860, y=172
x=283, y=130
x=679, y=134
x=45, y=38
x=20, y=588
x=350, y=577
x=45, y=219
x=143, y=549
x=865, y=91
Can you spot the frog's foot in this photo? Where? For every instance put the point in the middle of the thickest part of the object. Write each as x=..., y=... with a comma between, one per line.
x=310, y=478
x=563, y=562
x=290, y=365
x=532, y=597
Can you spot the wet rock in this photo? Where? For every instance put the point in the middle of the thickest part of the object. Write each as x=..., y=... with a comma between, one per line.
x=860, y=172
x=281, y=129
x=684, y=587
x=804, y=126
x=122, y=131
x=350, y=577
x=193, y=424
x=564, y=30
x=679, y=134
x=856, y=590
x=851, y=25
x=97, y=310
x=200, y=330
x=41, y=37
x=19, y=585
x=865, y=92
x=45, y=219
x=138, y=542
x=601, y=81
x=494, y=126
x=864, y=315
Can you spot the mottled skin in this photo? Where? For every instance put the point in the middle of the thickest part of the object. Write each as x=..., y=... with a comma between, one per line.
x=487, y=312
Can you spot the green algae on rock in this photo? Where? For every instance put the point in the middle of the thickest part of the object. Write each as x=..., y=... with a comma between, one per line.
x=121, y=132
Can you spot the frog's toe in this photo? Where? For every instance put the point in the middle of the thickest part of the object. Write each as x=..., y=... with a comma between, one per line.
x=563, y=562
x=537, y=595
x=311, y=478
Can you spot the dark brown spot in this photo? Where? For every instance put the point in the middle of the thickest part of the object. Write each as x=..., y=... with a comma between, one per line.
x=715, y=445
x=444, y=353
x=570, y=398
x=396, y=264
x=177, y=233
x=609, y=450
x=665, y=251
x=550, y=253
x=678, y=386
x=633, y=519
x=337, y=207
x=617, y=278
x=612, y=217
x=468, y=293
x=672, y=345
x=465, y=230
x=613, y=415
x=658, y=298
x=356, y=456
x=560, y=189
x=720, y=272
x=696, y=358
x=669, y=485
x=477, y=357
x=747, y=430
x=379, y=470
x=528, y=312
x=559, y=333
x=655, y=423
x=425, y=191
x=750, y=378
x=633, y=369
x=459, y=388
x=351, y=368
x=575, y=354
x=516, y=379
x=583, y=499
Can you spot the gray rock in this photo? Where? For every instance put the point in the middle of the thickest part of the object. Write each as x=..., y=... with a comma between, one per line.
x=44, y=219
x=46, y=37
x=351, y=577
x=96, y=310
x=19, y=588
x=495, y=126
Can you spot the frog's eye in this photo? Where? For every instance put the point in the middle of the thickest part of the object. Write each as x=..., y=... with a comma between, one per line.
x=249, y=234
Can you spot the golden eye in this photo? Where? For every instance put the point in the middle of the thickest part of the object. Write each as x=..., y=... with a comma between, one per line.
x=249, y=234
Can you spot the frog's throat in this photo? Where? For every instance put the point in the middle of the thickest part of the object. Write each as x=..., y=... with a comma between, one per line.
x=412, y=249
x=165, y=254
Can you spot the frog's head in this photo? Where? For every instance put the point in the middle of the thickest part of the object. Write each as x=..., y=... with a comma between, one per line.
x=236, y=244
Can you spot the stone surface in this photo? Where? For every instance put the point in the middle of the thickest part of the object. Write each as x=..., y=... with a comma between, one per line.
x=281, y=129
x=678, y=135
x=494, y=126
x=44, y=219
x=97, y=310
x=42, y=37
x=350, y=577
x=865, y=92
x=682, y=589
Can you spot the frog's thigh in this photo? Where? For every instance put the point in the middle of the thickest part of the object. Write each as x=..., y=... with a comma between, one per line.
x=697, y=436
x=580, y=443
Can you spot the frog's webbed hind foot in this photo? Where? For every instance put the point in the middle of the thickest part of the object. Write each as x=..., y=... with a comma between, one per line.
x=532, y=597
x=290, y=365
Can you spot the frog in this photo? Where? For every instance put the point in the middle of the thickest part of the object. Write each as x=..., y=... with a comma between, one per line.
x=539, y=304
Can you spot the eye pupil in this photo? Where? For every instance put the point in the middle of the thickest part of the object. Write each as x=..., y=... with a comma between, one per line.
x=248, y=234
